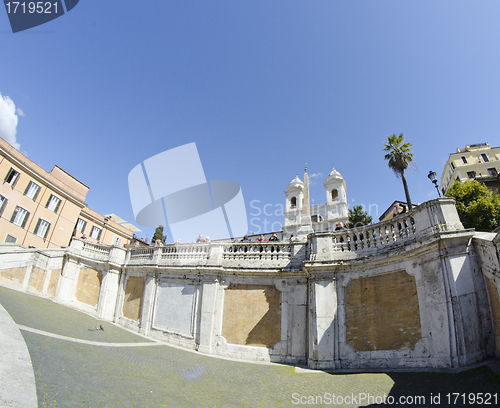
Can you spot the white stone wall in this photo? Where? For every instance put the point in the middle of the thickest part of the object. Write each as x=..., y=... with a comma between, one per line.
x=185, y=286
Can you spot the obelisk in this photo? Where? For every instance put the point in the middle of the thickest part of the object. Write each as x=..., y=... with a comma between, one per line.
x=306, y=227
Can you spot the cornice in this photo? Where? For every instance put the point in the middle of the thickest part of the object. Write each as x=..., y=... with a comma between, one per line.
x=42, y=180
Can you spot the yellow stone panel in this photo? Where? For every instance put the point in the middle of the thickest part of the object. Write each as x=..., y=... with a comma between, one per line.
x=133, y=298
x=382, y=312
x=13, y=276
x=37, y=279
x=88, y=286
x=53, y=281
x=252, y=315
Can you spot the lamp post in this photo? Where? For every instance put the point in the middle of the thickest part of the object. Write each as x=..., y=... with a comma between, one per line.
x=106, y=219
x=433, y=178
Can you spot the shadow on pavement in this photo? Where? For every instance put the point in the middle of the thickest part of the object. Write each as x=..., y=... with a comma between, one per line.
x=478, y=387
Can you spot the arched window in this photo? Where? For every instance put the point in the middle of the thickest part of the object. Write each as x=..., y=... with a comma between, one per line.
x=293, y=202
x=316, y=218
x=335, y=194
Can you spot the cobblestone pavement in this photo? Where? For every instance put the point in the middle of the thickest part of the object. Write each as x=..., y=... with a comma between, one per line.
x=70, y=374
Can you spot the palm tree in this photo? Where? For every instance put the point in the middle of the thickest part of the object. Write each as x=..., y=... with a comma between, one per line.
x=400, y=157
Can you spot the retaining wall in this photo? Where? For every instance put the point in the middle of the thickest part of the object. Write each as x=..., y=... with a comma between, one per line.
x=415, y=291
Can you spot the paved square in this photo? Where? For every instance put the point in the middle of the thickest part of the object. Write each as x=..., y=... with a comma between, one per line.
x=96, y=374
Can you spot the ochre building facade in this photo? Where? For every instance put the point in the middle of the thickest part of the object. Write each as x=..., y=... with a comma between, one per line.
x=45, y=210
x=479, y=162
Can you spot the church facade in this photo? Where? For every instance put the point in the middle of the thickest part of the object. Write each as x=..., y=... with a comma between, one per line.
x=321, y=218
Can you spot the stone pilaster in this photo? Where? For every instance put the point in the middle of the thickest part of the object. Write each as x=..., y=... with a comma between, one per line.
x=108, y=295
x=322, y=331
x=147, y=305
x=206, y=328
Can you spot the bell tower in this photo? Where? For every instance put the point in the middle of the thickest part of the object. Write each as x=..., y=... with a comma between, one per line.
x=293, y=207
x=336, y=199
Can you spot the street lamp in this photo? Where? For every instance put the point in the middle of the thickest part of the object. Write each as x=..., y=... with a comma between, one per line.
x=106, y=219
x=433, y=178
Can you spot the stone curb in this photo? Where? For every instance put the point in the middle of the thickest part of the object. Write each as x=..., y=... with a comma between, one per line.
x=17, y=379
x=89, y=342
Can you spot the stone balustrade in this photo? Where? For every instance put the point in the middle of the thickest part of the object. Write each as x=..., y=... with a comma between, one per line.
x=423, y=221
x=374, y=237
x=266, y=254
x=141, y=255
x=95, y=251
x=184, y=254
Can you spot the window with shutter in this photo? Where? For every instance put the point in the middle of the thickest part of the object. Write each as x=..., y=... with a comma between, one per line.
x=19, y=216
x=26, y=216
x=80, y=225
x=42, y=228
x=3, y=203
x=53, y=203
x=11, y=177
x=95, y=233
x=32, y=190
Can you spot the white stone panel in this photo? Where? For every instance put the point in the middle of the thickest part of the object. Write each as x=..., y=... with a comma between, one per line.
x=462, y=274
x=208, y=303
x=298, y=330
x=326, y=308
x=175, y=306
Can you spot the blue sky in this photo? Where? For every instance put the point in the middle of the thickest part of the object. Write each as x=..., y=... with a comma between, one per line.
x=262, y=87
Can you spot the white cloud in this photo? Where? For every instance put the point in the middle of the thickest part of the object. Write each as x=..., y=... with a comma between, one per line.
x=316, y=175
x=20, y=112
x=313, y=177
x=8, y=121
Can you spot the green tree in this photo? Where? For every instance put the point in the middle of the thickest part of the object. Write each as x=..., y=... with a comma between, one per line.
x=358, y=217
x=159, y=235
x=477, y=206
x=400, y=157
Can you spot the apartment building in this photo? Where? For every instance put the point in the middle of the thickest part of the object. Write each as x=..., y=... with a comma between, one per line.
x=479, y=162
x=45, y=210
